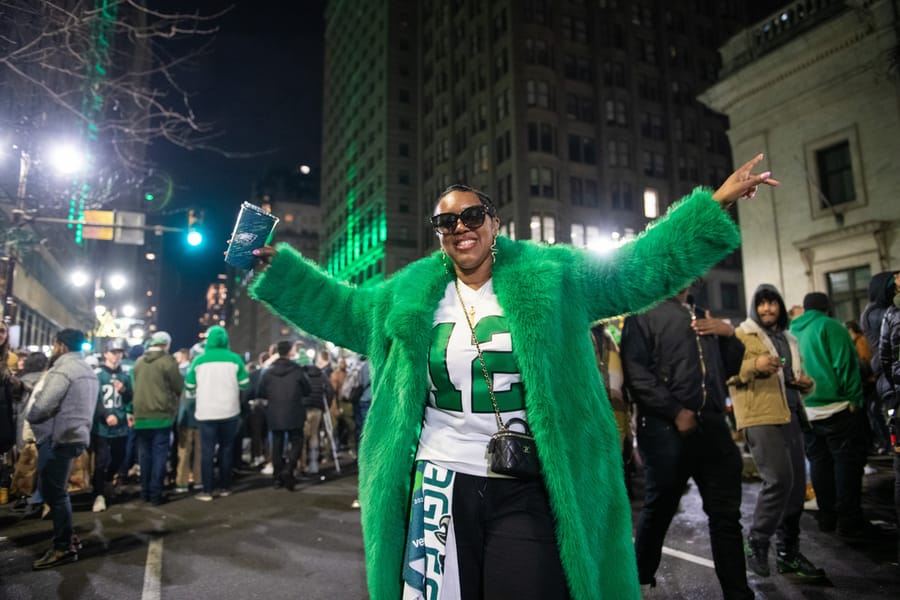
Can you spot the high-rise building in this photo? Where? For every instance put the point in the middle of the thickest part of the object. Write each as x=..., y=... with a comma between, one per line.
x=579, y=119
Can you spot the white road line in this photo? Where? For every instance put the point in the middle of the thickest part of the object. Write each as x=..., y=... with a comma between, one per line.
x=153, y=570
x=699, y=560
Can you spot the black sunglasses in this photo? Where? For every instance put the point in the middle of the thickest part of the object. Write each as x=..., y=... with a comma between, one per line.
x=472, y=218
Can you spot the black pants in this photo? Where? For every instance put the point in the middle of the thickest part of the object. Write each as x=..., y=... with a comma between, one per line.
x=506, y=540
x=710, y=457
x=280, y=471
x=108, y=456
x=836, y=448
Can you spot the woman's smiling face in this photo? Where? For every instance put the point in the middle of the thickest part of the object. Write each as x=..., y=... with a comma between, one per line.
x=469, y=249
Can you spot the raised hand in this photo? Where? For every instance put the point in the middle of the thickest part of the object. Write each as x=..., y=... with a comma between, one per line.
x=743, y=183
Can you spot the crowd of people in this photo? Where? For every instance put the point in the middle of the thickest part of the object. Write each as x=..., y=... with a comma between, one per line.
x=176, y=421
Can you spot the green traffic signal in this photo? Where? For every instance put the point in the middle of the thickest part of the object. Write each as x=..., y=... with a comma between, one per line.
x=149, y=197
x=194, y=238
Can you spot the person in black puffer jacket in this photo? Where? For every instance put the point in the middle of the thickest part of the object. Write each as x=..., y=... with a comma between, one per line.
x=882, y=288
x=285, y=386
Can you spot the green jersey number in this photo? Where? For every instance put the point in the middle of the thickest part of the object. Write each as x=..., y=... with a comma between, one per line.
x=449, y=397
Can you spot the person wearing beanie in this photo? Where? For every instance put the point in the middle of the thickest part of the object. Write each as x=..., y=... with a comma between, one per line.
x=836, y=440
x=769, y=411
x=157, y=387
x=60, y=418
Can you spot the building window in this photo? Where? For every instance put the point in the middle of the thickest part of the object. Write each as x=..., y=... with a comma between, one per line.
x=848, y=291
x=651, y=203
x=543, y=229
x=581, y=149
x=835, y=175
x=616, y=113
x=730, y=293
x=622, y=197
x=504, y=147
x=541, y=138
x=537, y=52
x=541, y=182
x=537, y=93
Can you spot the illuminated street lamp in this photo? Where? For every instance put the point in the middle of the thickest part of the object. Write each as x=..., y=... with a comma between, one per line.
x=66, y=159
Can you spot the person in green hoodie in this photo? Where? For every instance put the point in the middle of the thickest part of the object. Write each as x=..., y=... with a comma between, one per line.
x=157, y=387
x=836, y=440
x=216, y=377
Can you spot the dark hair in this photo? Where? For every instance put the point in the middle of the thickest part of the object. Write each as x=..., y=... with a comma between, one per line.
x=854, y=327
x=71, y=339
x=767, y=295
x=482, y=197
x=284, y=348
x=35, y=363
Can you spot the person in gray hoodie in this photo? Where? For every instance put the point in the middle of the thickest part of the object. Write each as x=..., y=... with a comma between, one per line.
x=61, y=418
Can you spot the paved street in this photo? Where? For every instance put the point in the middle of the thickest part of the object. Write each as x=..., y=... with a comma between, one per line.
x=266, y=543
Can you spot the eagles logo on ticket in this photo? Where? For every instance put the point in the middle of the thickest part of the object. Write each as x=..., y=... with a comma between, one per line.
x=254, y=229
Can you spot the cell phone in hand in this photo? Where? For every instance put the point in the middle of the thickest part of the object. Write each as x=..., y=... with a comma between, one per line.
x=253, y=229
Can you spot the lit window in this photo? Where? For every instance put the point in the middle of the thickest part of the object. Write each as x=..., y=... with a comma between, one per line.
x=651, y=203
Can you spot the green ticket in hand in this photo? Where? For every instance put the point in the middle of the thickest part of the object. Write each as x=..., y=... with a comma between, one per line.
x=253, y=229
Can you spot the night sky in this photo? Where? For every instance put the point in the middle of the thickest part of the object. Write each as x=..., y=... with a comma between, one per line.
x=261, y=84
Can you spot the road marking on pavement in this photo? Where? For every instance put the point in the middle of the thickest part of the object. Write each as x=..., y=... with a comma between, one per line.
x=153, y=570
x=699, y=560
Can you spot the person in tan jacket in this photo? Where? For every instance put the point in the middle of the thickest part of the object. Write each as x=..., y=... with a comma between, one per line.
x=769, y=411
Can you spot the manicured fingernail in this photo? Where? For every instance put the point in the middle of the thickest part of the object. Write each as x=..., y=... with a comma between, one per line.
x=256, y=252
x=766, y=175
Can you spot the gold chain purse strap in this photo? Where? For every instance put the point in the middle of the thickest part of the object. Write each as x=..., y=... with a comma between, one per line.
x=487, y=378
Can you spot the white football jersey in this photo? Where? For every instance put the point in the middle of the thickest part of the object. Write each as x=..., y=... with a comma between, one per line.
x=459, y=416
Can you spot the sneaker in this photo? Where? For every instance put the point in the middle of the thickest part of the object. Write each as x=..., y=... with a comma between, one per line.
x=182, y=489
x=355, y=503
x=54, y=558
x=757, y=557
x=203, y=497
x=268, y=469
x=222, y=493
x=811, y=505
x=798, y=566
x=99, y=504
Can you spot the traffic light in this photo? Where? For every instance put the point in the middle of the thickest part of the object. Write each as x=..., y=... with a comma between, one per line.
x=194, y=235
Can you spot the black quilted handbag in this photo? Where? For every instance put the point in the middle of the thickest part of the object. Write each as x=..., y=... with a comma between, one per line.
x=514, y=453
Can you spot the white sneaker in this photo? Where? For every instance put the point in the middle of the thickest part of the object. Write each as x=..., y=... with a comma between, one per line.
x=203, y=497
x=268, y=469
x=355, y=503
x=222, y=493
x=99, y=504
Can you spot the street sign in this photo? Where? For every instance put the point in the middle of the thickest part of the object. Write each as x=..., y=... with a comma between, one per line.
x=98, y=225
x=130, y=227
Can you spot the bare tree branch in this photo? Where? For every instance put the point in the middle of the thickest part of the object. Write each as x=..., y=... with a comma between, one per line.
x=113, y=71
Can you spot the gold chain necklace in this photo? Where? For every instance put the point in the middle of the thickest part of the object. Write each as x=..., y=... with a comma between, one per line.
x=487, y=378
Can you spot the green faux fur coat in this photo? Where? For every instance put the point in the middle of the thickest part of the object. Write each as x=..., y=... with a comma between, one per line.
x=551, y=295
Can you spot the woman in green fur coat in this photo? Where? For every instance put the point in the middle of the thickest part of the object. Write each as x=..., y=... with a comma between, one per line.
x=436, y=522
